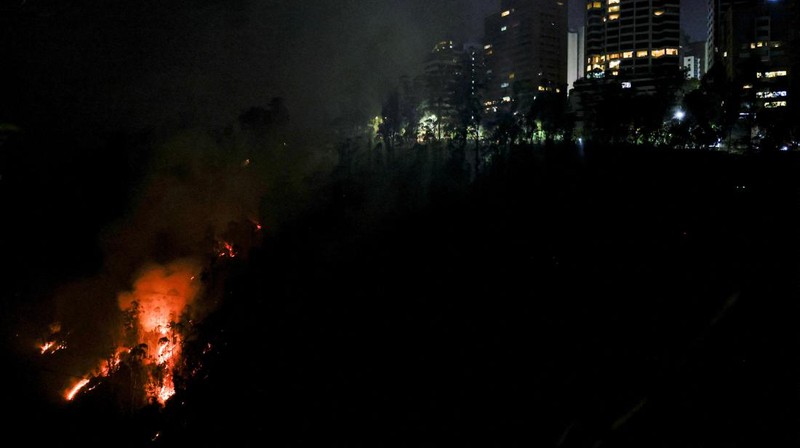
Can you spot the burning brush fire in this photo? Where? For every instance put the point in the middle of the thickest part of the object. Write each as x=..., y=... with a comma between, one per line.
x=156, y=315
x=154, y=308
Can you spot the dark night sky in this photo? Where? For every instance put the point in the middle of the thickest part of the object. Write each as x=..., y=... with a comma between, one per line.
x=166, y=63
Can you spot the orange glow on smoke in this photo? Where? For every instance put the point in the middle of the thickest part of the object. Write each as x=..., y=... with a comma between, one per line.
x=159, y=298
x=72, y=391
x=157, y=302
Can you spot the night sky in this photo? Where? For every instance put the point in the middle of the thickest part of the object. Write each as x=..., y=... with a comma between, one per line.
x=164, y=64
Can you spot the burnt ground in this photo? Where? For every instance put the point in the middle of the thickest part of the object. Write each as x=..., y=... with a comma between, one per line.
x=629, y=297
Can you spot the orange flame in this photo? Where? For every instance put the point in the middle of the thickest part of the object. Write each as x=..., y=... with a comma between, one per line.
x=46, y=346
x=72, y=391
x=160, y=296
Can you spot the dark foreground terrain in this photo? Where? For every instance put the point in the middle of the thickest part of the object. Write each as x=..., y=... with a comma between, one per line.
x=623, y=298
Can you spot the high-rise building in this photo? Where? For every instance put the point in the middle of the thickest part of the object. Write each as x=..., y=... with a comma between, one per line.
x=632, y=37
x=693, y=66
x=753, y=46
x=452, y=79
x=575, y=56
x=632, y=51
x=525, y=51
x=708, y=57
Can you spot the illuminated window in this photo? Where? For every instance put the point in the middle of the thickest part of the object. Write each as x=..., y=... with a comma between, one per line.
x=558, y=90
x=505, y=13
x=597, y=5
x=512, y=76
x=627, y=54
x=615, y=73
x=613, y=2
x=641, y=53
x=613, y=8
x=672, y=51
x=748, y=86
x=658, y=12
x=541, y=88
x=503, y=28
x=626, y=85
x=507, y=99
x=490, y=52
x=504, y=85
x=769, y=94
x=659, y=53
x=774, y=74
x=487, y=46
x=614, y=64
x=613, y=56
x=752, y=45
x=774, y=104
x=613, y=17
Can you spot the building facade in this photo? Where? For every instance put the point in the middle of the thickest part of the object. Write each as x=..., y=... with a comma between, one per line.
x=693, y=67
x=631, y=37
x=575, y=56
x=525, y=52
x=754, y=47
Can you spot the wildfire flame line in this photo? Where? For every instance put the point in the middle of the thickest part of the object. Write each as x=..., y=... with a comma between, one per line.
x=72, y=391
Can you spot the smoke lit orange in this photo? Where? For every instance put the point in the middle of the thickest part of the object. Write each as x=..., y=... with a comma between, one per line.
x=159, y=298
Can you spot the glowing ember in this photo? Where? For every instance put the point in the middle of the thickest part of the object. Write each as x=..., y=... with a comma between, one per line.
x=70, y=394
x=46, y=346
x=54, y=341
x=226, y=250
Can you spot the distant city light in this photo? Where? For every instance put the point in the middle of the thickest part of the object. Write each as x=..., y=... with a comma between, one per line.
x=679, y=115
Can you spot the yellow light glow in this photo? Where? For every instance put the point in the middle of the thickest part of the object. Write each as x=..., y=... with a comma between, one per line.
x=505, y=13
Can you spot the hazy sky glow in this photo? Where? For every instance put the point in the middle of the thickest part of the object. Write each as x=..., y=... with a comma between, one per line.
x=164, y=63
